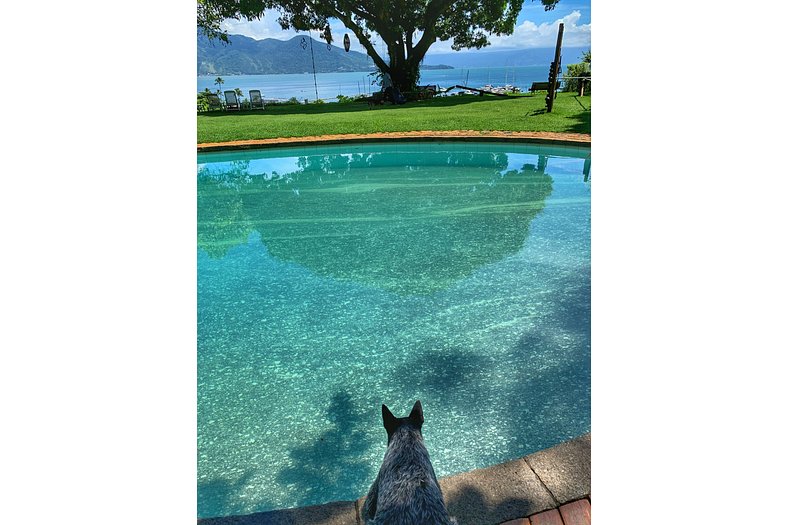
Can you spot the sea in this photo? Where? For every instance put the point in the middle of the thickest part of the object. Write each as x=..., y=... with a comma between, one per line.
x=327, y=86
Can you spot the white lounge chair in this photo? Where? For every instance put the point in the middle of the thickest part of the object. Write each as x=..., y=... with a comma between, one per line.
x=256, y=99
x=214, y=102
x=231, y=101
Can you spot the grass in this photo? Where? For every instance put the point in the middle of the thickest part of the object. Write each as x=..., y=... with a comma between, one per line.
x=467, y=112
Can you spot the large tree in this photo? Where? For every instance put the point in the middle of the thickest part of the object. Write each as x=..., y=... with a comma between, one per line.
x=407, y=27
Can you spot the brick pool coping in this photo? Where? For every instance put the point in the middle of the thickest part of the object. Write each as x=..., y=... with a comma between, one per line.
x=534, y=137
x=549, y=487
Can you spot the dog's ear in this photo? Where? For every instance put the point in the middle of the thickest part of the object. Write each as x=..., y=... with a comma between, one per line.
x=417, y=414
x=389, y=421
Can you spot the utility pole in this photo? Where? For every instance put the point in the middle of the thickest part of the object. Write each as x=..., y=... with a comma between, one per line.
x=552, y=81
x=314, y=73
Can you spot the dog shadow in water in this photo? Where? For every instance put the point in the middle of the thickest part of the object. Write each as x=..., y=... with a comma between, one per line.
x=332, y=466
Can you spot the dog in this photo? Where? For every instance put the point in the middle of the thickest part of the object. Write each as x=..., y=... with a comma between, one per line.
x=406, y=491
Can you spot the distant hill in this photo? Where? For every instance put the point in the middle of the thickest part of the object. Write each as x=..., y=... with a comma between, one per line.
x=512, y=58
x=247, y=56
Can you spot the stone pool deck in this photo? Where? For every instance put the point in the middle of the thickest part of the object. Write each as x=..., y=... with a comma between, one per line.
x=534, y=137
x=549, y=487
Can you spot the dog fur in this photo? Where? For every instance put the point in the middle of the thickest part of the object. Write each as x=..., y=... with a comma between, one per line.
x=406, y=491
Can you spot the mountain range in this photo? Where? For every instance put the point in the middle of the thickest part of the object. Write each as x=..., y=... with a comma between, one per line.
x=247, y=56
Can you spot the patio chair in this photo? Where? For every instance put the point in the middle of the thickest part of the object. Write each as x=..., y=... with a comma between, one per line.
x=213, y=101
x=256, y=99
x=231, y=101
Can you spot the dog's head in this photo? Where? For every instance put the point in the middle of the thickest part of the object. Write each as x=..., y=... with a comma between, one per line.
x=414, y=420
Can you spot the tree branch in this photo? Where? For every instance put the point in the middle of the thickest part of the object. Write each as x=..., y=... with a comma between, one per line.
x=434, y=11
x=431, y=15
x=359, y=32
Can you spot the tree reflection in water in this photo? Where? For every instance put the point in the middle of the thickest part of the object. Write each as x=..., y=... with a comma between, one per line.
x=411, y=223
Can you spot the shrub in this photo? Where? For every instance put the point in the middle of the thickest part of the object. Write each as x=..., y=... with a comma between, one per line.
x=342, y=99
x=582, y=69
x=202, y=100
x=289, y=102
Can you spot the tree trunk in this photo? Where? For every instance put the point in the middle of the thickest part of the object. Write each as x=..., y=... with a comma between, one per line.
x=404, y=61
x=404, y=57
x=405, y=75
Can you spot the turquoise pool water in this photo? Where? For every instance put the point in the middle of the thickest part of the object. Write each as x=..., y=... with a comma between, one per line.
x=334, y=279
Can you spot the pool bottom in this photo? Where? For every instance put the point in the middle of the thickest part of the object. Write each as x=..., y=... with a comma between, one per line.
x=294, y=362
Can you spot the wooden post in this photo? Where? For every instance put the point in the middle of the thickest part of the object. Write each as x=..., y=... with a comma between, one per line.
x=553, y=80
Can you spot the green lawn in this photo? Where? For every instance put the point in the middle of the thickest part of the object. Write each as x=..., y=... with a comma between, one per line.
x=468, y=112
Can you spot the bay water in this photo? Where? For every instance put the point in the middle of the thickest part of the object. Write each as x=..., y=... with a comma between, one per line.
x=327, y=86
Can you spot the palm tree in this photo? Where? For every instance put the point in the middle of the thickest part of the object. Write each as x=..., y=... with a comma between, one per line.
x=219, y=81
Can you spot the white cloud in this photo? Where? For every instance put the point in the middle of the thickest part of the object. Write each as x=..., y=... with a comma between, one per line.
x=529, y=35
x=544, y=35
x=266, y=27
x=526, y=35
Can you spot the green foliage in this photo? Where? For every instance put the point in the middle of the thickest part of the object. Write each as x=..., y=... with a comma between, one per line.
x=202, y=100
x=319, y=101
x=583, y=69
x=211, y=13
x=376, y=77
x=219, y=81
x=342, y=99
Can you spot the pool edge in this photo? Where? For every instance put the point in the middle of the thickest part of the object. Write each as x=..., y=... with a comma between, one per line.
x=519, y=488
x=532, y=137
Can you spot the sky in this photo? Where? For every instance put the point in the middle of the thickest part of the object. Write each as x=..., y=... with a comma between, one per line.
x=535, y=28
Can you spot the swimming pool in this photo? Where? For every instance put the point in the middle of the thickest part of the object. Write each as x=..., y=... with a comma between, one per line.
x=334, y=279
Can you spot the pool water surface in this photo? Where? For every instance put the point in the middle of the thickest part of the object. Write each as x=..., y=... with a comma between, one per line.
x=334, y=279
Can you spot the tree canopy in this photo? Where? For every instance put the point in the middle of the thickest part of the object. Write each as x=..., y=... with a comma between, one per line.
x=407, y=27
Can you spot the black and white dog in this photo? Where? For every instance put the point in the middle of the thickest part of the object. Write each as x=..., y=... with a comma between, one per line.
x=406, y=491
